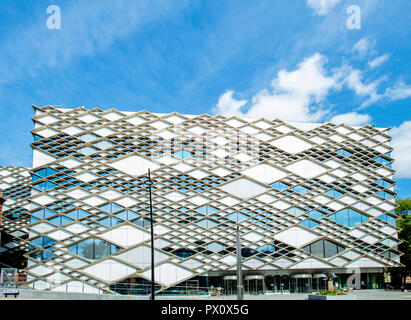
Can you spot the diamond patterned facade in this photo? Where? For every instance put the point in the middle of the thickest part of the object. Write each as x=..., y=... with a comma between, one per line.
x=14, y=184
x=313, y=197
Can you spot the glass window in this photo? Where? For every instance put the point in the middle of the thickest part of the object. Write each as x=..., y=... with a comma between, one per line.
x=206, y=209
x=309, y=223
x=348, y=217
x=384, y=183
x=215, y=246
x=101, y=249
x=182, y=154
x=324, y=248
x=267, y=249
x=334, y=193
x=42, y=241
x=206, y=223
x=115, y=208
x=341, y=218
x=42, y=255
x=45, y=172
x=344, y=152
x=104, y=145
x=33, y=219
x=279, y=186
x=45, y=185
x=383, y=161
x=87, y=150
x=142, y=222
x=330, y=249
x=247, y=252
x=317, y=248
x=60, y=220
x=390, y=254
x=295, y=211
x=44, y=213
x=34, y=177
x=315, y=214
x=184, y=253
x=389, y=242
x=301, y=189
x=237, y=216
x=127, y=215
x=86, y=248
x=110, y=221
x=111, y=208
x=388, y=218
x=355, y=218
x=385, y=195
x=39, y=214
x=88, y=137
x=94, y=248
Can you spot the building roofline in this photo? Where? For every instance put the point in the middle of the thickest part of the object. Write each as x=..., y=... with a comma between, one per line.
x=197, y=115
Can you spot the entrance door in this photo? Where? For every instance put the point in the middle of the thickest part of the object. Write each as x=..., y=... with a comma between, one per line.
x=270, y=284
x=281, y=283
x=255, y=286
x=301, y=285
x=230, y=287
x=319, y=284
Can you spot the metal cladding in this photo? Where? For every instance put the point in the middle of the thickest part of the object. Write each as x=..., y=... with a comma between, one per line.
x=14, y=184
x=305, y=196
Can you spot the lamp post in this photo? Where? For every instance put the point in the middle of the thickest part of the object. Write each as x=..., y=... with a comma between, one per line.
x=149, y=182
x=239, y=273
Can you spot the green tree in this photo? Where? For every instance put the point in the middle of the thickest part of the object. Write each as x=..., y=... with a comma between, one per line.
x=398, y=275
x=404, y=208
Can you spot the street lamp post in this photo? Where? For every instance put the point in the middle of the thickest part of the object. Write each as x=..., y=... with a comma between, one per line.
x=239, y=273
x=149, y=182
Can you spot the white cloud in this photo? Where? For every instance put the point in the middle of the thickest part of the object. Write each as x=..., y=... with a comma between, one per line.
x=229, y=106
x=308, y=80
x=399, y=91
x=379, y=61
x=301, y=94
x=295, y=95
x=401, y=144
x=352, y=119
x=322, y=7
x=354, y=81
x=364, y=46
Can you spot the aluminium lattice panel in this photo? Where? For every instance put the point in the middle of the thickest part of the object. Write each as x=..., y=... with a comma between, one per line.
x=306, y=196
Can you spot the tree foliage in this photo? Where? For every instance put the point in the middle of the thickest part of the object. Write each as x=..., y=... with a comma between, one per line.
x=405, y=247
x=403, y=211
x=404, y=207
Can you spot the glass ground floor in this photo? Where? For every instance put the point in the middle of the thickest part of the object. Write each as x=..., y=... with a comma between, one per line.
x=258, y=283
x=303, y=281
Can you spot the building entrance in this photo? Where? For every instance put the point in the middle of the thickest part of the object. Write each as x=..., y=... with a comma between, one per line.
x=301, y=283
x=319, y=282
x=230, y=285
x=254, y=284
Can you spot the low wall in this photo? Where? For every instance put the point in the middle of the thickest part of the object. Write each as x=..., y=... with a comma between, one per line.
x=43, y=294
x=341, y=297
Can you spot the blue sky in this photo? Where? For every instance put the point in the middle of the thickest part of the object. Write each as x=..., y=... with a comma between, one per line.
x=249, y=58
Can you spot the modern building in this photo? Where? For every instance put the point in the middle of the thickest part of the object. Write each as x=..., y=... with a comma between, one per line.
x=14, y=205
x=312, y=201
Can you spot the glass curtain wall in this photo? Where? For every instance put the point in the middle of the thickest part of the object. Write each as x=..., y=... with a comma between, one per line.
x=301, y=283
x=230, y=285
x=319, y=282
x=254, y=284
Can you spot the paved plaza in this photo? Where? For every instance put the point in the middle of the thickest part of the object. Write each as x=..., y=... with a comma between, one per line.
x=359, y=294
